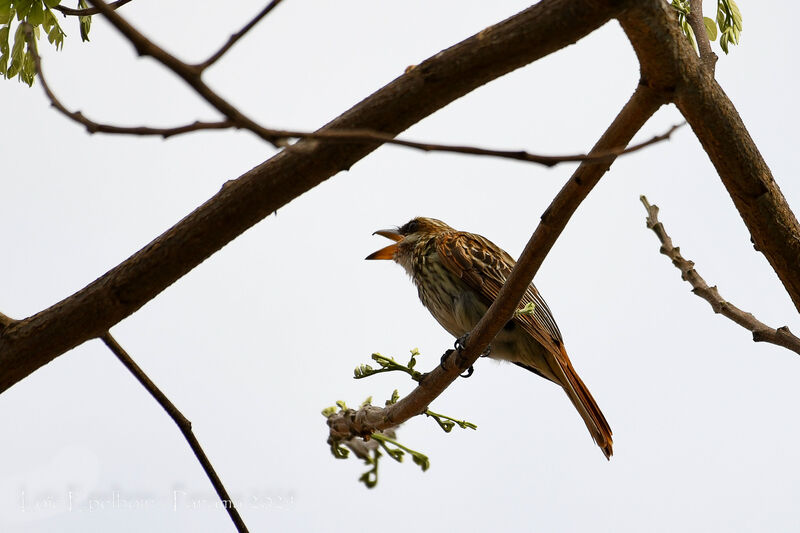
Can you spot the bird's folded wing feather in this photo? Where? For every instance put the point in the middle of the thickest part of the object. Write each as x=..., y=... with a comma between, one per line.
x=484, y=268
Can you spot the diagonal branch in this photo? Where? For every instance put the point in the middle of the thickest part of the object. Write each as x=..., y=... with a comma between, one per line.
x=89, y=11
x=236, y=36
x=545, y=27
x=761, y=332
x=631, y=118
x=183, y=424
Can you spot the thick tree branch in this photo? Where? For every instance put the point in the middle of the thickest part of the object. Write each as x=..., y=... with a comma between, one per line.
x=539, y=30
x=89, y=11
x=183, y=424
x=761, y=332
x=676, y=70
x=695, y=18
x=639, y=108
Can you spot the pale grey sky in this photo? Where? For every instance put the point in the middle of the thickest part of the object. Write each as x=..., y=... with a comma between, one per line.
x=253, y=343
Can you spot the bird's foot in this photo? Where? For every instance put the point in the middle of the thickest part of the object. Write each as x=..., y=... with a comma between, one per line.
x=461, y=345
x=446, y=357
x=461, y=342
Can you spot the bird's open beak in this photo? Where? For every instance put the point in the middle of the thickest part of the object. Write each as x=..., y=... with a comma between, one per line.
x=388, y=252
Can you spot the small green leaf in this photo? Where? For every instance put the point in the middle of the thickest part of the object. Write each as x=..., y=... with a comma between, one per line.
x=19, y=44
x=394, y=398
x=6, y=13
x=4, y=40
x=36, y=15
x=23, y=8
x=28, y=72
x=711, y=28
x=528, y=309
x=13, y=69
x=85, y=22
x=736, y=14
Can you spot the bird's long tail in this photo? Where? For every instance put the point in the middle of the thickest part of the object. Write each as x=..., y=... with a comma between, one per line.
x=584, y=402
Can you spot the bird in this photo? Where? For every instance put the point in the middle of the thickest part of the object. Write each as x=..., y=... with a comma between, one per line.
x=458, y=275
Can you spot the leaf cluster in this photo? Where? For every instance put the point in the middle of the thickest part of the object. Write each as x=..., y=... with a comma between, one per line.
x=18, y=18
x=728, y=20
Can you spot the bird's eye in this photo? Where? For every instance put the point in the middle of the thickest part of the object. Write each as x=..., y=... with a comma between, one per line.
x=410, y=227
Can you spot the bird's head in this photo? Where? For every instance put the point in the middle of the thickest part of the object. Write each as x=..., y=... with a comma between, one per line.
x=407, y=236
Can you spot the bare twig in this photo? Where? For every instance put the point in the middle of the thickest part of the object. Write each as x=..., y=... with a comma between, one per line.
x=183, y=424
x=191, y=74
x=236, y=36
x=761, y=332
x=695, y=17
x=88, y=11
x=520, y=155
x=639, y=108
x=95, y=127
x=338, y=135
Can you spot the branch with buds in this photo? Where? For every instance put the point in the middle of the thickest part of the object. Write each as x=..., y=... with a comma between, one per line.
x=365, y=445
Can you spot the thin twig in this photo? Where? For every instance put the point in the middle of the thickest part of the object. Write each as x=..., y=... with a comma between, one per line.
x=236, y=36
x=695, y=17
x=183, y=424
x=520, y=155
x=368, y=419
x=348, y=136
x=95, y=127
x=191, y=74
x=761, y=332
x=90, y=10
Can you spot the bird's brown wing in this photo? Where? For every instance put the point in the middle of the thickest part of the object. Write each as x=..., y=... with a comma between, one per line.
x=484, y=267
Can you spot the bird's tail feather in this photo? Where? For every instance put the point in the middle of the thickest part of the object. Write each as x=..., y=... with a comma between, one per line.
x=584, y=402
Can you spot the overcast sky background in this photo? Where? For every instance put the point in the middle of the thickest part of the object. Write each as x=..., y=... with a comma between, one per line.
x=253, y=343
